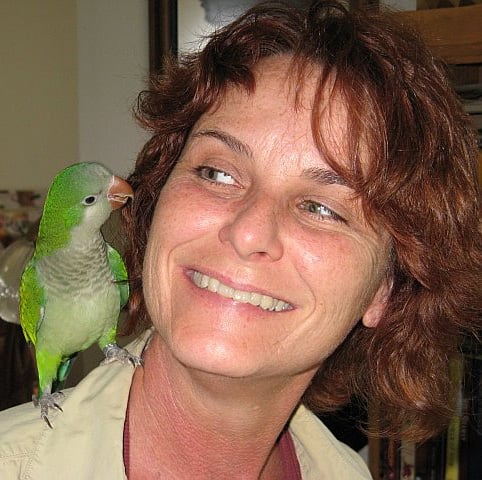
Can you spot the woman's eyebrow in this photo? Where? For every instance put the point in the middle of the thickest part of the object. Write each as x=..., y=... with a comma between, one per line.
x=319, y=175
x=232, y=142
x=324, y=176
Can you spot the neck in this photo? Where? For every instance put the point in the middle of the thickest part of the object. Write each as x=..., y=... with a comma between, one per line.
x=201, y=426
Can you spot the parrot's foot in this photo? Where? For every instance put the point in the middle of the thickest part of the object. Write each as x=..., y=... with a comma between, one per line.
x=48, y=400
x=114, y=353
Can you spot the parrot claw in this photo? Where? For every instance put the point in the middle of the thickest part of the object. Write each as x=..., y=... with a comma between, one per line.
x=114, y=353
x=48, y=400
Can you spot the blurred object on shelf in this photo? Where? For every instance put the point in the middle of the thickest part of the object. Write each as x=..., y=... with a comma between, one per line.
x=12, y=263
x=471, y=96
x=426, y=4
x=19, y=211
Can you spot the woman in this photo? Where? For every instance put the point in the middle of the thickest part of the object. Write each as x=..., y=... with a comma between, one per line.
x=304, y=230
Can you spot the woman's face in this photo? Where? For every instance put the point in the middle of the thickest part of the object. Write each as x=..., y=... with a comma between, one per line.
x=259, y=260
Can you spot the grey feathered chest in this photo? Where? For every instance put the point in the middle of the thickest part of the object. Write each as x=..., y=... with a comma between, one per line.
x=79, y=269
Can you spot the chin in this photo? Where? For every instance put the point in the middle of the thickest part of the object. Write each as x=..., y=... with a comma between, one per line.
x=216, y=356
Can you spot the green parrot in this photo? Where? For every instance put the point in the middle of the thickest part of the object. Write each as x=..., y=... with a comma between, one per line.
x=74, y=286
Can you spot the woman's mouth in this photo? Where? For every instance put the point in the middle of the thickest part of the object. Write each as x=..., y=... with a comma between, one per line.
x=264, y=302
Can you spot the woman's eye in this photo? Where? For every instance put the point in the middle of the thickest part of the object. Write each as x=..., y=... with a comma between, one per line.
x=214, y=175
x=320, y=210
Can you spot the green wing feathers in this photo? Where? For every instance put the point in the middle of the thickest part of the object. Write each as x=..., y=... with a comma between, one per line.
x=32, y=303
x=120, y=273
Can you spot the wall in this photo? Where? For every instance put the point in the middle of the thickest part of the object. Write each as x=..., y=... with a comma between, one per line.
x=38, y=91
x=113, y=53
x=70, y=72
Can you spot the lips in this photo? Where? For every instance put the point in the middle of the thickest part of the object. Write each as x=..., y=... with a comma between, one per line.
x=265, y=302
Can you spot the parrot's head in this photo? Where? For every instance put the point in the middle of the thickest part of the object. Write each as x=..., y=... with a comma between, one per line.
x=82, y=195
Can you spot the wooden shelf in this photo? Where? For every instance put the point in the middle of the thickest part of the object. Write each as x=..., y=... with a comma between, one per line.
x=454, y=34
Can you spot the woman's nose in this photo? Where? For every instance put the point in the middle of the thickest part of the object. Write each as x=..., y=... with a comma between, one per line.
x=253, y=230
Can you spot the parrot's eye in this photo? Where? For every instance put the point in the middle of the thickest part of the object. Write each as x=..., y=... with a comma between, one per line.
x=90, y=200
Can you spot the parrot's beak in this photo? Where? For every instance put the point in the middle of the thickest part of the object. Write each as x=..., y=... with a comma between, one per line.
x=119, y=192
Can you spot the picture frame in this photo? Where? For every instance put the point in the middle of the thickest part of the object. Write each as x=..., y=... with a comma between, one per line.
x=178, y=25
x=162, y=32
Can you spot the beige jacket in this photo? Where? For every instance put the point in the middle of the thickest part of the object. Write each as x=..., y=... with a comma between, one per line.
x=87, y=439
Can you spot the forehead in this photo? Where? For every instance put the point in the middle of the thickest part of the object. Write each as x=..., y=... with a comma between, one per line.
x=286, y=102
x=283, y=82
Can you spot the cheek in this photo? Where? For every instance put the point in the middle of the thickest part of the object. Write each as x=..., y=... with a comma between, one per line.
x=183, y=212
x=321, y=255
x=341, y=272
x=150, y=278
x=181, y=216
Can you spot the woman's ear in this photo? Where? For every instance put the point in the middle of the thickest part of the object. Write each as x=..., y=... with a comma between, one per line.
x=375, y=310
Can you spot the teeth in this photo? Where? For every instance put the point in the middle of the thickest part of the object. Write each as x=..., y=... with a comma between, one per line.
x=265, y=302
x=213, y=285
x=255, y=299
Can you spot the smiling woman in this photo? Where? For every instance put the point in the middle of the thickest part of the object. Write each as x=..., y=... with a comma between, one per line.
x=304, y=229
x=240, y=209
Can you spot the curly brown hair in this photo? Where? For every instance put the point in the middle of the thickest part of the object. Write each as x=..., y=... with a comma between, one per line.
x=420, y=183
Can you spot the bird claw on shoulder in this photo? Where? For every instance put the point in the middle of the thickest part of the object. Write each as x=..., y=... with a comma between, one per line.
x=48, y=400
x=114, y=353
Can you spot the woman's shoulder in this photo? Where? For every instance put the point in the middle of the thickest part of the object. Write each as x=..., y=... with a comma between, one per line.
x=19, y=423
x=21, y=430
x=92, y=413
x=320, y=454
